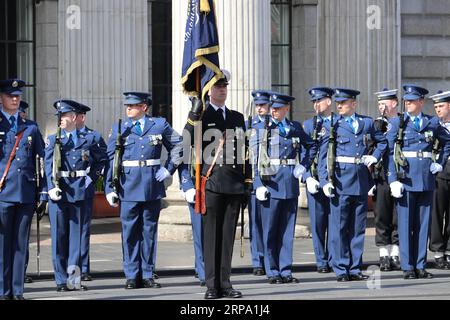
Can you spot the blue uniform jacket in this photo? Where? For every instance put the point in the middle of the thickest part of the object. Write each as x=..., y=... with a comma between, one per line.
x=283, y=184
x=85, y=154
x=353, y=179
x=20, y=183
x=323, y=132
x=139, y=183
x=90, y=191
x=418, y=175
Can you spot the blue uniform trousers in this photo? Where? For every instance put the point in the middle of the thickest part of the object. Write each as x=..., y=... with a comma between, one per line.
x=413, y=210
x=86, y=217
x=15, y=220
x=278, y=220
x=65, y=223
x=139, y=231
x=197, y=234
x=348, y=226
x=256, y=235
x=319, y=213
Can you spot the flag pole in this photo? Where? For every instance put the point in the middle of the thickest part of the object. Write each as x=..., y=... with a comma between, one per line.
x=197, y=143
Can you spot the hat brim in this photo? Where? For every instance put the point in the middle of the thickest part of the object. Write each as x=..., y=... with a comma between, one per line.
x=340, y=99
x=131, y=101
x=317, y=98
x=261, y=101
x=277, y=105
x=14, y=92
x=411, y=97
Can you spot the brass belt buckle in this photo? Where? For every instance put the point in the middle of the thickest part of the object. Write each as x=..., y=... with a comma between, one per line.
x=420, y=154
x=357, y=160
x=142, y=163
x=72, y=174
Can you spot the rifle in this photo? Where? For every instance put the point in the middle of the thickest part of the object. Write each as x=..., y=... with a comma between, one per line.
x=399, y=160
x=380, y=124
x=117, y=159
x=314, y=173
x=247, y=157
x=264, y=167
x=435, y=151
x=40, y=209
x=57, y=163
x=331, y=152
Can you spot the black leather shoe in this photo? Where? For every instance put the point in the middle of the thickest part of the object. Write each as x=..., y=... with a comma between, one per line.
x=230, y=293
x=395, y=263
x=342, y=278
x=275, y=280
x=202, y=283
x=385, y=263
x=290, y=279
x=423, y=274
x=5, y=298
x=358, y=277
x=447, y=259
x=155, y=276
x=18, y=297
x=211, y=294
x=131, y=284
x=325, y=269
x=408, y=275
x=258, y=272
x=86, y=277
x=61, y=288
x=440, y=263
x=28, y=279
x=150, y=283
x=196, y=275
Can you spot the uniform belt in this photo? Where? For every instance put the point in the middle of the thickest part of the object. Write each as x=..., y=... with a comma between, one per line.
x=74, y=174
x=354, y=160
x=141, y=163
x=416, y=154
x=289, y=162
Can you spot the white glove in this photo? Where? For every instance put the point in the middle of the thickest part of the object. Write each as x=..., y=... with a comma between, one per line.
x=88, y=182
x=396, y=189
x=55, y=194
x=369, y=160
x=299, y=171
x=189, y=195
x=435, y=168
x=112, y=198
x=261, y=193
x=328, y=190
x=312, y=185
x=162, y=174
x=372, y=191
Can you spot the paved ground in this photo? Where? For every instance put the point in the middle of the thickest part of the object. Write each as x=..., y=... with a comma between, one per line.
x=175, y=261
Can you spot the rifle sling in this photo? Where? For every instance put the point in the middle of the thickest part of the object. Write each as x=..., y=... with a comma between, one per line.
x=11, y=158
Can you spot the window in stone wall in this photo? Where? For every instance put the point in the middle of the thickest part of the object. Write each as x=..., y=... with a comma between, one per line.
x=281, y=45
x=17, y=45
x=161, y=48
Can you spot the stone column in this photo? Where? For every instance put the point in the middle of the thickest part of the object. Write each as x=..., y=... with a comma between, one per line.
x=244, y=39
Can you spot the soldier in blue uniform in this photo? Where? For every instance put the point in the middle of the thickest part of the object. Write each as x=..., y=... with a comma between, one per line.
x=386, y=237
x=278, y=192
x=188, y=188
x=318, y=128
x=141, y=185
x=20, y=142
x=261, y=100
x=23, y=109
x=440, y=215
x=414, y=188
x=81, y=161
x=349, y=184
x=86, y=215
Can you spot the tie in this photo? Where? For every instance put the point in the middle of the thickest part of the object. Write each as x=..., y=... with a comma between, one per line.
x=70, y=143
x=350, y=123
x=220, y=112
x=417, y=123
x=281, y=129
x=138, y=128
x=12, y=119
